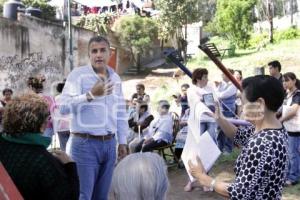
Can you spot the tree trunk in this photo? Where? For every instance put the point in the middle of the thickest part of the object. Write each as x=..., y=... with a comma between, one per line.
x=138, y=62
x=185, y=46
x=162, y=44
x=292, y=11
x=270, y=18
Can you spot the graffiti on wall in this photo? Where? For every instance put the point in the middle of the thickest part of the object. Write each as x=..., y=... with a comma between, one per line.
x=15, y=70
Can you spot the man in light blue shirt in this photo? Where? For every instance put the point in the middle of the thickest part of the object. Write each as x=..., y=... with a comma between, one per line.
x=93, y=95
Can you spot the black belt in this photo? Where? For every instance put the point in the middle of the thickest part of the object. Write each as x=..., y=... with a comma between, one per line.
x=96, y=137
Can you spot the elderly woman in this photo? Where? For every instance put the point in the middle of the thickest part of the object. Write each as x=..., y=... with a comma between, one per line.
x=261, y=167
x=37, y=173
x=140, y=176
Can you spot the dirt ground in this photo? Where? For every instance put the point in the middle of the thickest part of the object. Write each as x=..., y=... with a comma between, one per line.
x=223, y=170
x=178, y=178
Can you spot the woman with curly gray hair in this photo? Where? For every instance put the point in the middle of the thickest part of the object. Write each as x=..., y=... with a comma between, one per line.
x=37, y=173
x=140, y=176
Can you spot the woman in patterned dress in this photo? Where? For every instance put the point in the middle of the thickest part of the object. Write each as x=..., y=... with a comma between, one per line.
x=261, y=166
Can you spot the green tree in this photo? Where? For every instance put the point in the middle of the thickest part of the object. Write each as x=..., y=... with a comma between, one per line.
x=234, y=20
x=48, y=12
x=1, y=5
x=98, y=23
x=136, y=34
x=176, y=14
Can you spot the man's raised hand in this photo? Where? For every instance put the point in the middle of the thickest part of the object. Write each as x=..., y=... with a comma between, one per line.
x=102, y=88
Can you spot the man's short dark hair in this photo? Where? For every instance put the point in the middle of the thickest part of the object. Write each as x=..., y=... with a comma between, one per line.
x=144, y=106
x=141, y=85
x=275, y=64
x=185, y=85
x=198, y=74
x=99, y=39
x=164, y=104
x=60, y=87
x=7, y=90
x=231, y=70
x=240, y=72
x=266, y=87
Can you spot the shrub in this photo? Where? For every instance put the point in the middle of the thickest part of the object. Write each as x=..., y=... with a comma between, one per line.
x=136, y=33
x=98, y=23
x=288, y=34
x=48, y=12
x=233, y=20
x=258, y=40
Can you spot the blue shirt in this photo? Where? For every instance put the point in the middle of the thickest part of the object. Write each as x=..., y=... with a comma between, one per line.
x=161, y=128
x=103, y=115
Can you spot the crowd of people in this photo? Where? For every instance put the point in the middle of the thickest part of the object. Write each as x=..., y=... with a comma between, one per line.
x=107, y=142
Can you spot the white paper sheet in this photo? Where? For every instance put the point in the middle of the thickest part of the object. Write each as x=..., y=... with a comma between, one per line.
x=195, y=117
x=202, y=146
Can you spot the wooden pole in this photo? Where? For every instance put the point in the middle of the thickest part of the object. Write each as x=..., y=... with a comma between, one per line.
x=220, y=65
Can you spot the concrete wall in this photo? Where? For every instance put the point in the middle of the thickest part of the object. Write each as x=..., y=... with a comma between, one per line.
x=31, y=46
x=28, y=47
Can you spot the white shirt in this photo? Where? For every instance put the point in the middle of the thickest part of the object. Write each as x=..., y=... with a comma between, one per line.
x=225, y=90
x=161, y=128
x=195, y=95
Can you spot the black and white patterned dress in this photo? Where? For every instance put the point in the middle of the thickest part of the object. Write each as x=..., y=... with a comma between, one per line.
x=261, y=167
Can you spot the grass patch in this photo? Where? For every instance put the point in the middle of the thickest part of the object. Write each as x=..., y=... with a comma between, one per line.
x=247, y=60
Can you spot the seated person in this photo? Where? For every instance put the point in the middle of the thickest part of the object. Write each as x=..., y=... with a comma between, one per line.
x=160, y=130
x=131, y=182
x=181, y=136
x=138, y=125
x=140, y=94
x=131, y=108
x=36, y=173
x=181, y=99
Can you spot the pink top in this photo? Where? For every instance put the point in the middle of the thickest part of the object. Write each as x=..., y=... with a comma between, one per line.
x=51, y=106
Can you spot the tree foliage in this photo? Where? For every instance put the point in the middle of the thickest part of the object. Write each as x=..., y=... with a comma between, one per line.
x=176, y=13
x=1, y=5
x=136, y=33
x=98, y=23
x=48, y=11
x=234, y=20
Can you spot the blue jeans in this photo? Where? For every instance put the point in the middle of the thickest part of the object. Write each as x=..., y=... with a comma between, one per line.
x=294, y=158
x=225, y=143
x=211, y=127
x=63, y=139
x=95, y=161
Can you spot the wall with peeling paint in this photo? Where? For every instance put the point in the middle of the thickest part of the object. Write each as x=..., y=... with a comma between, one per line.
x=32, y=46
x=29, y=47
